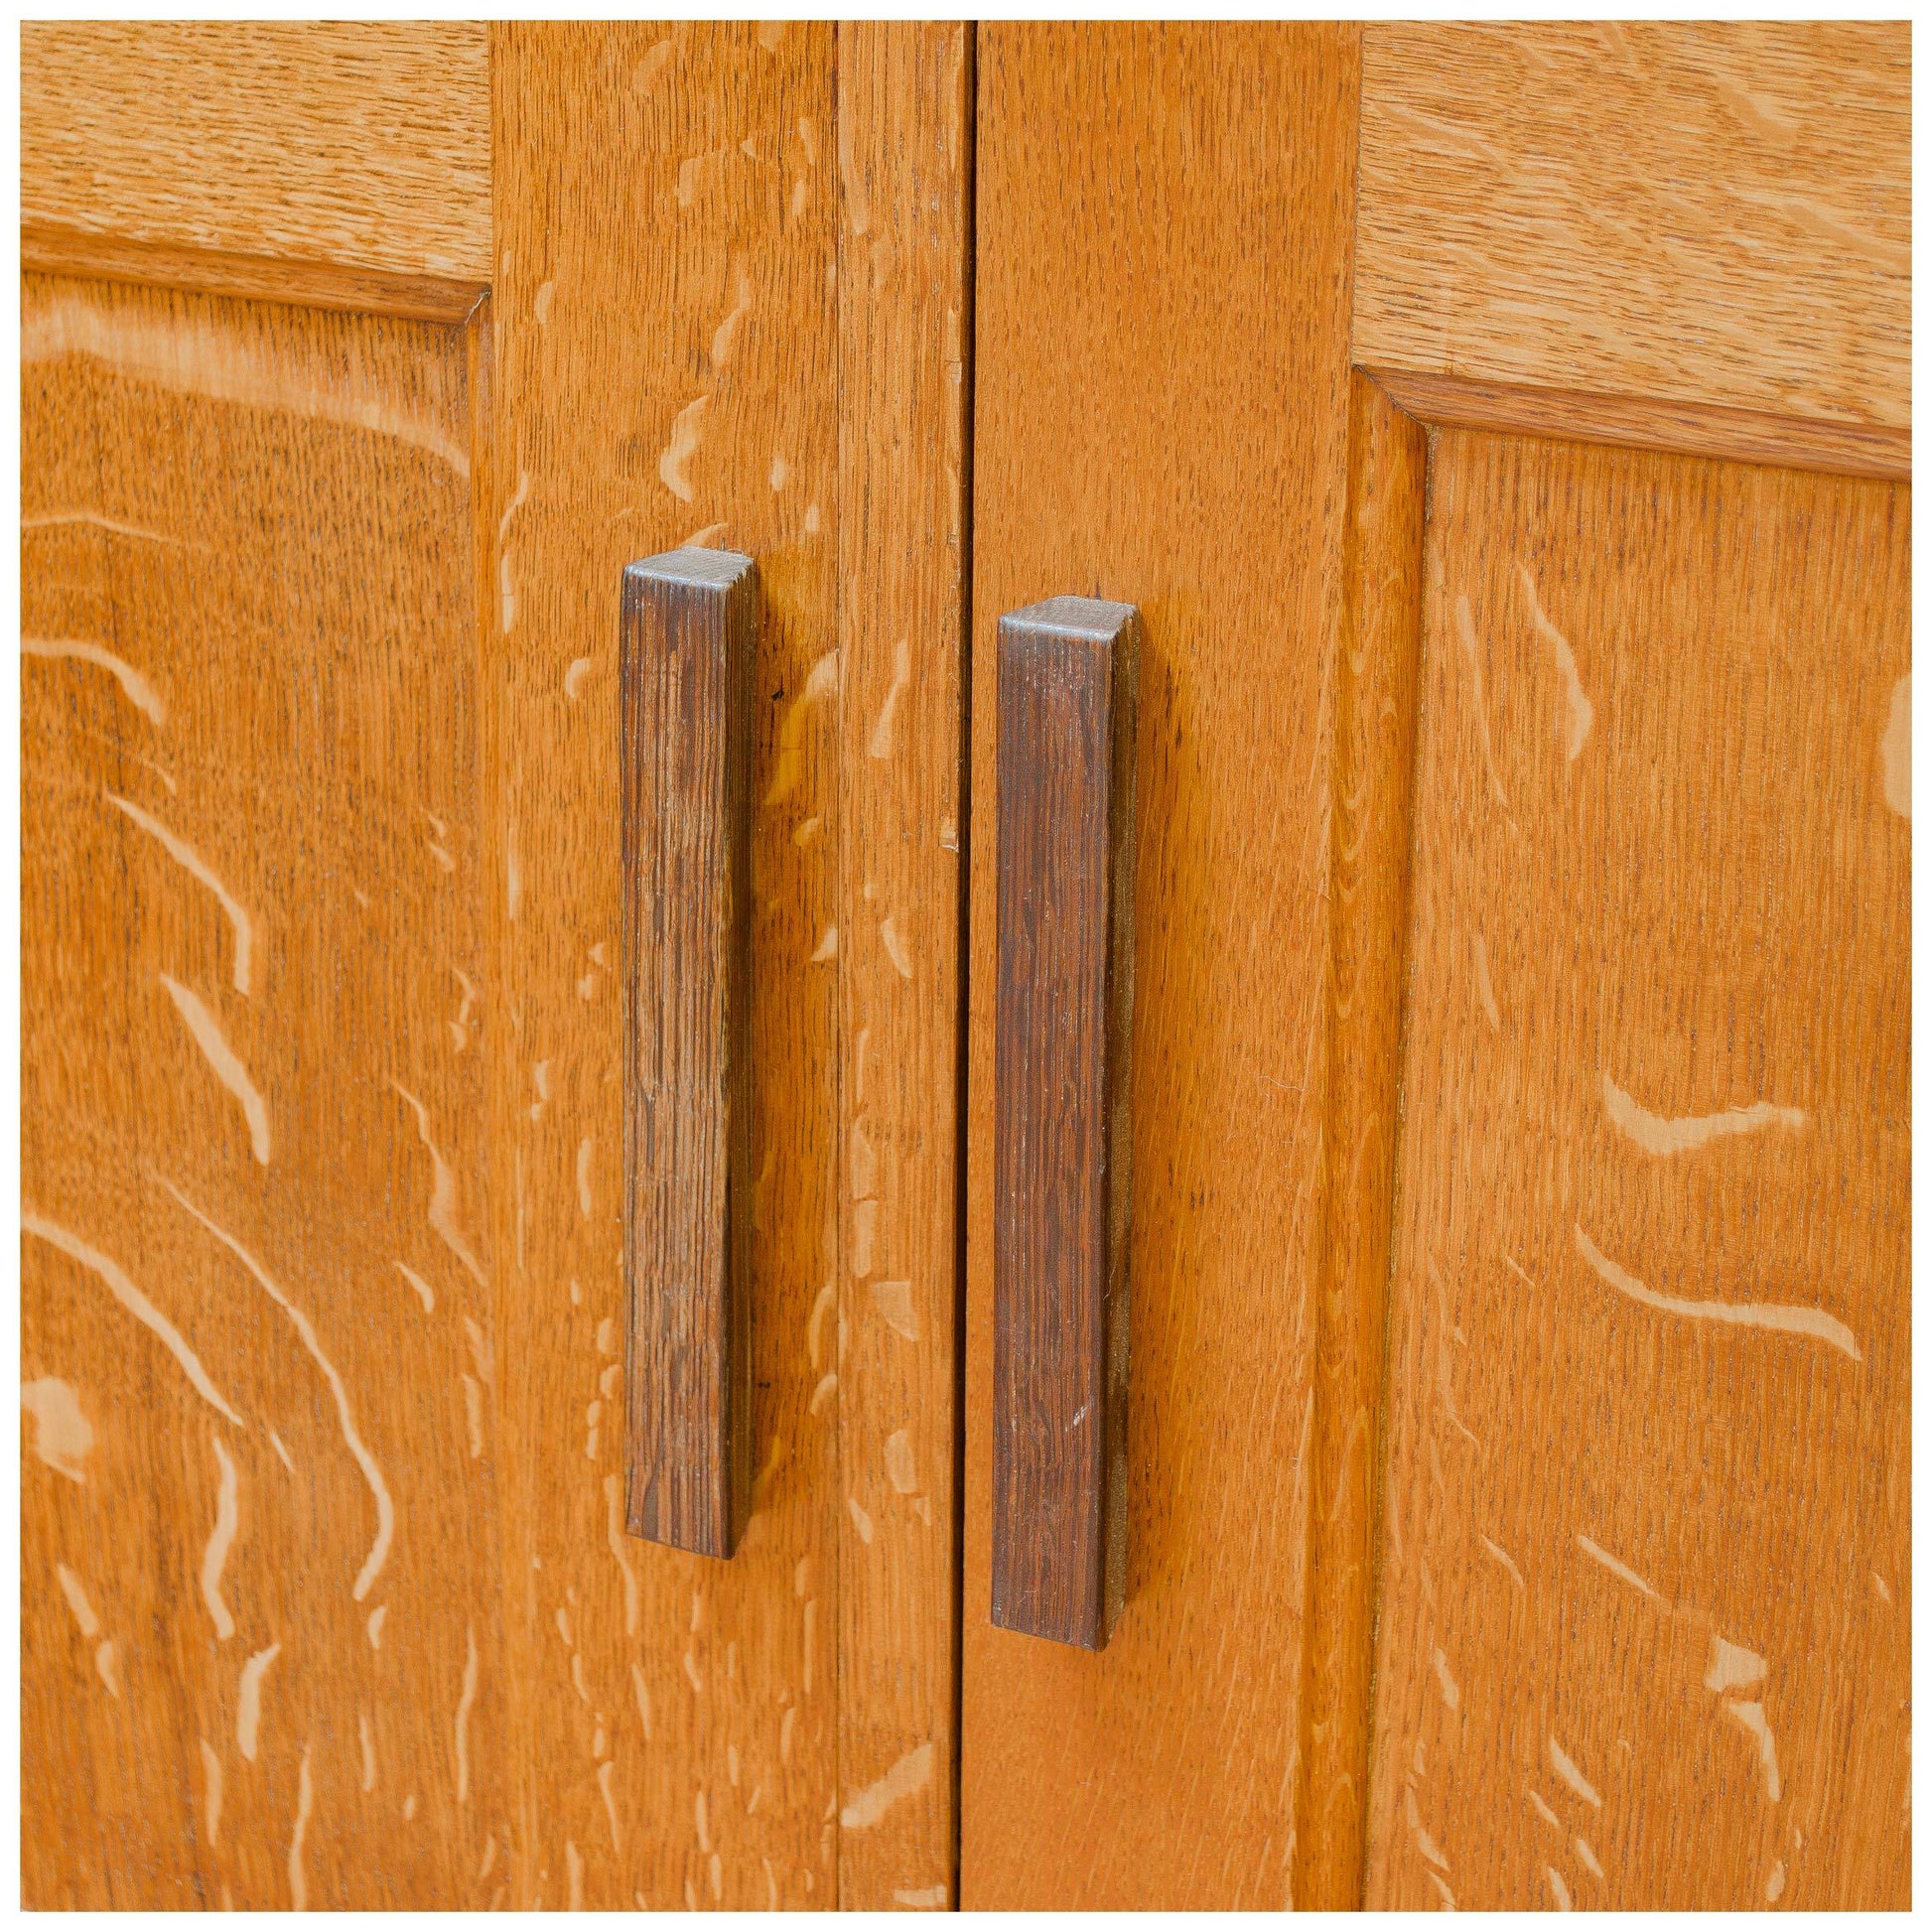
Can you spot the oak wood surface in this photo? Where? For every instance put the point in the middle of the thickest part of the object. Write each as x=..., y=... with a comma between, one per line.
x=1063, y=1148
x=1690, y=238
x=766, y=404
x=1645, y=1636
x=261, y=1652
x=905, y=156
x=1684, y=428
x=1368, y=875
x=1130, y=442
x=690, y=628
x=74, y=252
x=666, y=344
x=359, y=144
x=1715, y=214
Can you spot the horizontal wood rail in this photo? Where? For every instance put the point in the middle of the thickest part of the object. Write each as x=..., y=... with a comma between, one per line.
x=361, y=143
x=1754, y=252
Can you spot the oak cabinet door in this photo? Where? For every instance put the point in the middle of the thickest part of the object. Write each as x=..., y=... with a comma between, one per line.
x=358, y=362
x=1504, y=434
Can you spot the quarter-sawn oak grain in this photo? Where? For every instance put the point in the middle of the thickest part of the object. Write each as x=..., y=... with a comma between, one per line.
x=666, y=333
x=1062, y=1151
x=732, y=302
x=262, y=1645
x=690, y=632
x=1646, y=1608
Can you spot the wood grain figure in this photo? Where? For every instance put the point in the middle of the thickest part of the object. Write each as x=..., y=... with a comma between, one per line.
x=684, y=676
x=535, y=1081
x=666, y=336
x=1062, y=1151
x=1645, y=1628
x=262, y=1658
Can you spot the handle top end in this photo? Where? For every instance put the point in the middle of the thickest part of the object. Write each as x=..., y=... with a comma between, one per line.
x=1089, y=620
x=692, y=567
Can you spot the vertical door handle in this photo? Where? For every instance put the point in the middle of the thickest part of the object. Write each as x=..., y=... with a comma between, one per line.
x=1068, y=700
x=689, y=633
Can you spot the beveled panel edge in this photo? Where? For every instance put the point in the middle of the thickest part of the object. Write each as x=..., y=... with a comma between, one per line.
x=48, y=251
x=1646, y=423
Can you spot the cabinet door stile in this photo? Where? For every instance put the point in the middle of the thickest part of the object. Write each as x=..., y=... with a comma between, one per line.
x=1161, y=419
x=666, y=336
x=1371, y=831
x=889, y=1324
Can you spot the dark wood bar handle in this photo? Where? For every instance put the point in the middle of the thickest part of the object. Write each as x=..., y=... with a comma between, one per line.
x=689, y=633
x=1067, y=702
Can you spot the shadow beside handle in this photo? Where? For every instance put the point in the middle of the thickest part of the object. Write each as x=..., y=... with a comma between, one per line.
x=689, y=633
x=1068, y=700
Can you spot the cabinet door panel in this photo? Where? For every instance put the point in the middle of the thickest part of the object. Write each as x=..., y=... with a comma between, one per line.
x=728, y=311
x=1645, y=1636
x=259, y=1625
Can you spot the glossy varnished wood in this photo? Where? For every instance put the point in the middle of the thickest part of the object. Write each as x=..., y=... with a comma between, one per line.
x=262, y=1653
x=667, y=348
x=689, y=638
x=1063, y=1147
x=1368, y=875
x=1645, y=1636
x=906, y=163
x=1715, y=215
x=1166, y=426
x=359, y=145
